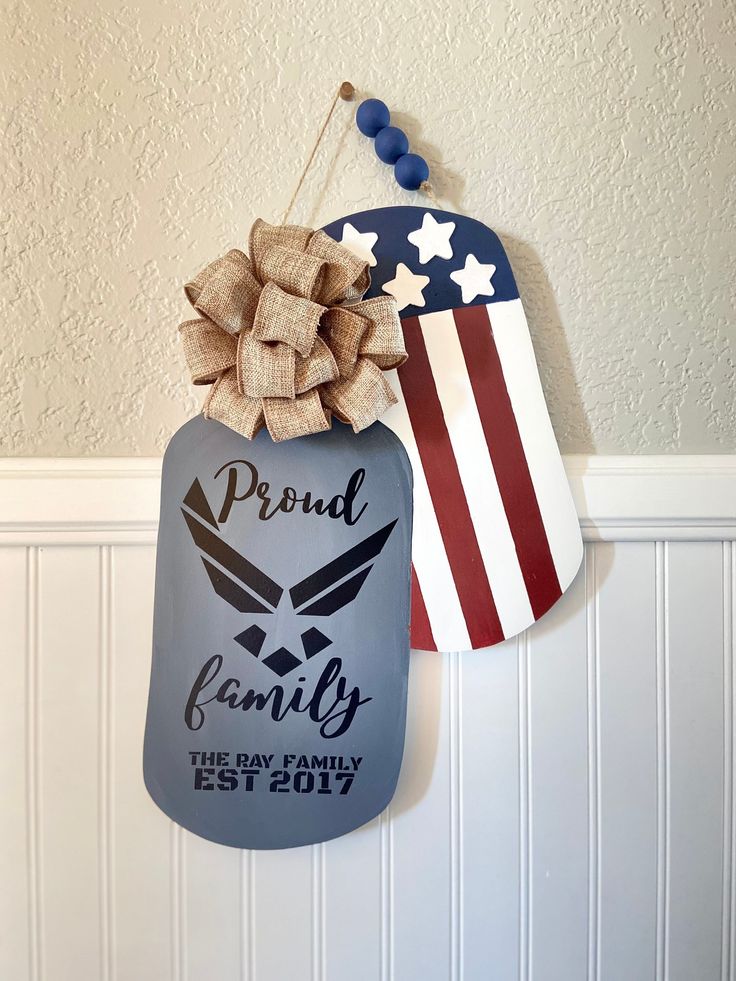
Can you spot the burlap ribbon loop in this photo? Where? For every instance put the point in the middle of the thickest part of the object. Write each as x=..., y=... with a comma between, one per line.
x=284, y=338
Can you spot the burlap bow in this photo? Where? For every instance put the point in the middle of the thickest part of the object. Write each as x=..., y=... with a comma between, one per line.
x=283, y=340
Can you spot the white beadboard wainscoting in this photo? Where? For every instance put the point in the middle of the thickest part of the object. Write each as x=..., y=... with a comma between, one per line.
x=565, y=809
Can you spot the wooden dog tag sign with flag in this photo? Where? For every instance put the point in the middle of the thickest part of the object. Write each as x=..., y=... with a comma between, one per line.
x=496, y=536
x=285, y=577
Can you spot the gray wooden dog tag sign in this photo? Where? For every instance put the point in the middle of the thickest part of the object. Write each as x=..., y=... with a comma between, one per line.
x=277, y=703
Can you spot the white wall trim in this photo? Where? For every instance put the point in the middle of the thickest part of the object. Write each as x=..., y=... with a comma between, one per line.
x=655, y=498
x=115, y=500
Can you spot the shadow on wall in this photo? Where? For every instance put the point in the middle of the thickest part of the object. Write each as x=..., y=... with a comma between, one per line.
x=550, y=344
x=446, y=184
x=422, y=741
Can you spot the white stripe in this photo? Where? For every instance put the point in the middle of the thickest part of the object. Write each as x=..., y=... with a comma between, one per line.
x=519, y=365
x=496, y=543
x=428, y=550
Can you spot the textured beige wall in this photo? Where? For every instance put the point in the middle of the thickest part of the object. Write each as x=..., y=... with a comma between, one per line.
x=596, y=137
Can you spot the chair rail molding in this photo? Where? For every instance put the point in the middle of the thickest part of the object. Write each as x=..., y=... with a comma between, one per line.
x=564, y=796
x=115, y=500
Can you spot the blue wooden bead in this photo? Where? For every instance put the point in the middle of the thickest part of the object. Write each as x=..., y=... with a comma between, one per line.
x=391, y=143
x=372, y=116
x=411, y=171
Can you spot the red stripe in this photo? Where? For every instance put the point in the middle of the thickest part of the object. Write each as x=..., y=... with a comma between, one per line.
x=506, y=450
x=421, y=629
x=446, y=491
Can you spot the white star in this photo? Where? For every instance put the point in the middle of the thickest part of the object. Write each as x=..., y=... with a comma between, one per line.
x=433, y=239
x=474, y=279
x=406, y=287
x=359, y=243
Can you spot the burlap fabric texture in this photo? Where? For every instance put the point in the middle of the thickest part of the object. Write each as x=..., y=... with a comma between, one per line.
x=284, y=338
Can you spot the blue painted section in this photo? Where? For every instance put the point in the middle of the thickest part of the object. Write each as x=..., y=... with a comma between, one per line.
x=372, y=116
x=411, y=171
x=393, y=225
x=391, y=143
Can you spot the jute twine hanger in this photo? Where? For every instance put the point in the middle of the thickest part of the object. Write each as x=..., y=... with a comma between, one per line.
x=346, y=93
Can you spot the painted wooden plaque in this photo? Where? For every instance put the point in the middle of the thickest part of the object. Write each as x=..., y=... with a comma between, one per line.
x=496, y=536
x=277, y=702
